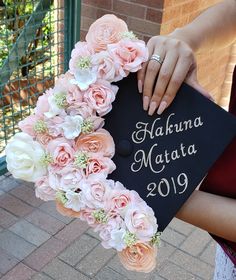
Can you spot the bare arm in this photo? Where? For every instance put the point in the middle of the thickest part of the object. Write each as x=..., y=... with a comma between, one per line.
x=213, y=213
x=159, y=82
x=214, y=28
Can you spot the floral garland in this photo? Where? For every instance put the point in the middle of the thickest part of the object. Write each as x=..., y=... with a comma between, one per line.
x=65, y=151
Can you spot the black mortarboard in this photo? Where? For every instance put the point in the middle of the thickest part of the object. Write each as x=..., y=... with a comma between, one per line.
x=164, y=158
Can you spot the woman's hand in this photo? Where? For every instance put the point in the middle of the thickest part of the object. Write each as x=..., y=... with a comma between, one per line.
x=159, y=80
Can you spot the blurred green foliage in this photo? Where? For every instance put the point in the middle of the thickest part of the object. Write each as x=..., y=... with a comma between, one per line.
x=13, y=17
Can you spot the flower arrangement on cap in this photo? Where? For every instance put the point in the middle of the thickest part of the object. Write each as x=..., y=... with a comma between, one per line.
x=65, y=151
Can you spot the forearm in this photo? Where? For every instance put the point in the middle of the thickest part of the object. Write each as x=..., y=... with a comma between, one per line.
x=214, y=28
x=213, y=213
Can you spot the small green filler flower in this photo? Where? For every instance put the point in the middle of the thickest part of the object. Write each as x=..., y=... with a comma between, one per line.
x=87, y=127
x=60, y=100
x=40, y=127
x=130, y=239
x=61, y=197
x=100, y=216
x=81, y=159
x=84, y=63
x=46, y=159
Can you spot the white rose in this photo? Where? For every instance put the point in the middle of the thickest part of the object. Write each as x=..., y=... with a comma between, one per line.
x=72, y=126
x=23, y=156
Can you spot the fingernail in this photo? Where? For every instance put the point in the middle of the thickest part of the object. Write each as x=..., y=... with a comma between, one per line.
x=162, y=107
x=145, y=102
x=140, y=86
x=152, y=108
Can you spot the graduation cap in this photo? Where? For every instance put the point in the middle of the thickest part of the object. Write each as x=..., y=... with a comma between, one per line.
x=164, y=158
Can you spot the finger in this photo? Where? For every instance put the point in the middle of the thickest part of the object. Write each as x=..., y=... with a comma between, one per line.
x=166, y=71
x=142, y=71
x=179, y=74
x=141, y=76
x=150, y=78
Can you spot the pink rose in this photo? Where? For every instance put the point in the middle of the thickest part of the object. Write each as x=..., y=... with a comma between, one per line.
x=66, y=178
x=43, y=190
x=95, y=190
x=130, y=53
x=141, y=221
x=140, y=257
x=87, y=215
x=112, y=234
x=107, y=67
x=105, y=30
x=44, y=138
x=120, y=200
x=27, y=125
x=81, y=50
x=100, y=96
x=98, y=164
x=99, y=141
x=54, y=125
x=81, y=109
x=73, y=93
x=61, y=151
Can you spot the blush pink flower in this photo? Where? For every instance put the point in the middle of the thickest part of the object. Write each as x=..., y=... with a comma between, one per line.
x=98, y=164
x=112, y=234
x=140, y=257
x=107, y=67
x=42, y=105
x=81, y=109
x=44, y=138
x=61, y=151
x=100, y=96
x=66, y=178
x=99, y=141
x=130, y=53
x=27, y=125
x=87, y=215
x=54, y=125
x=73, y=93
x=43, y=190
x=121, y=199
x=95, y=190
x=81, y=50
x=97, y=122
x=105, y=30
x=140, y=220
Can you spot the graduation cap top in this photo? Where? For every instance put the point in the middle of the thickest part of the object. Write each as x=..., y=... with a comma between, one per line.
x=164, y=158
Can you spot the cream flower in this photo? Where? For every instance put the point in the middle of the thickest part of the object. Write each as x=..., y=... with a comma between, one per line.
x=74, y=201
x=24, y=158
x=72, y=126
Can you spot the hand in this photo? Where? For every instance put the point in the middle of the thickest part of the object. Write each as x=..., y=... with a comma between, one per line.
x=160, y=80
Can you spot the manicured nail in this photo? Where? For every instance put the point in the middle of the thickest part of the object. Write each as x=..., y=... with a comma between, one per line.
x=140, y=86
x=145, y=102
x=152, y=108
x=162, y=107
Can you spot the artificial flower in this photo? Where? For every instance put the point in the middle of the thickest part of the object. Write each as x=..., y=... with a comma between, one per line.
x=24, y=158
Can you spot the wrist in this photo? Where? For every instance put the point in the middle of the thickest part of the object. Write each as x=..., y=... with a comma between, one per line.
x=185, y=35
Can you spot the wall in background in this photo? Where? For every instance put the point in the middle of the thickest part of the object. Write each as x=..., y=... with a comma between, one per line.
x=153, y=17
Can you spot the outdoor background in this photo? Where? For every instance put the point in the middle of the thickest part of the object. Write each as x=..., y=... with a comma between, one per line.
x=36, y=38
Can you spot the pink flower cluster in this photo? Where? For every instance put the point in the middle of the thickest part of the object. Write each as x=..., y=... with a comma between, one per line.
x=67, y=123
